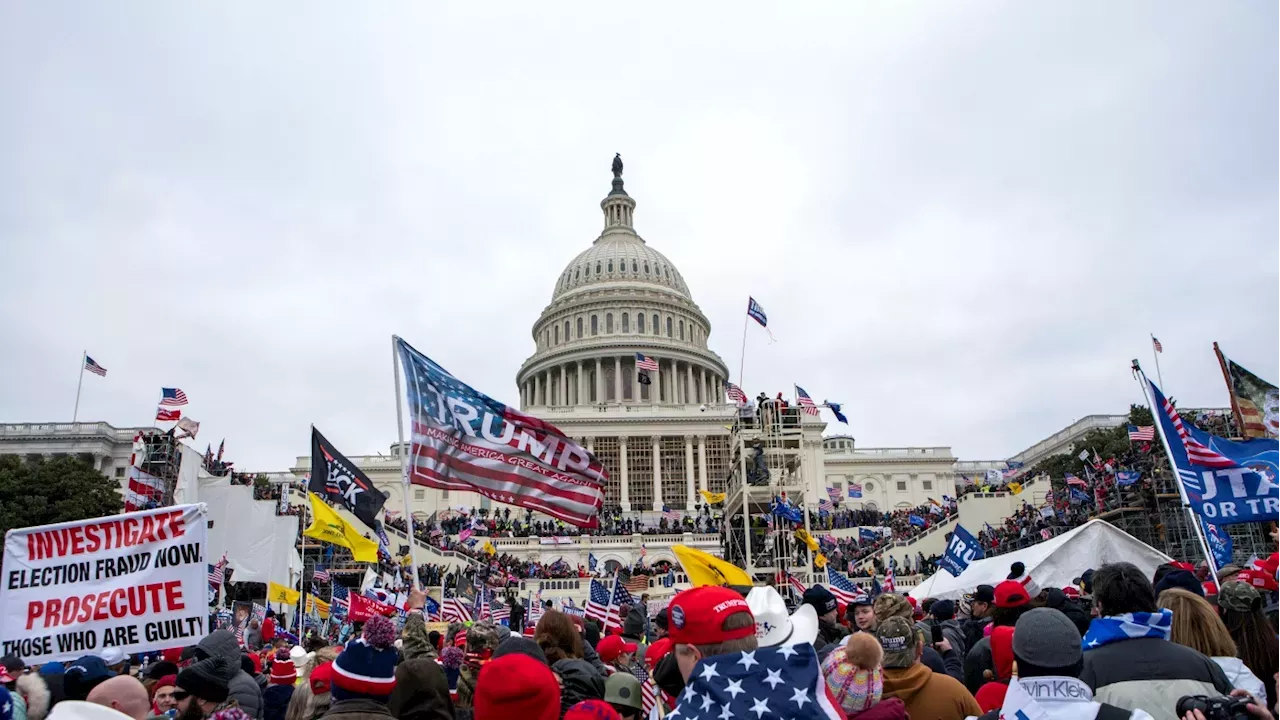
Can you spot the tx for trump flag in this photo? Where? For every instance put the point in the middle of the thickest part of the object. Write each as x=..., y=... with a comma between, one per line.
x=465, y=440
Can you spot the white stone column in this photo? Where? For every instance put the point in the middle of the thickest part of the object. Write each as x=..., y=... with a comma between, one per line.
x=537, y=388
x=702, y=462
x=691, y=390
x=657, y=474
x=579, y=367
x=704, y=394
x=599, y=382
x=564, y=385
x=622, y=470
x=688, y=472
x=617, y=378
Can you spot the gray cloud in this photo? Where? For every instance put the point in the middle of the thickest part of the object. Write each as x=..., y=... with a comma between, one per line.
x=963, y=221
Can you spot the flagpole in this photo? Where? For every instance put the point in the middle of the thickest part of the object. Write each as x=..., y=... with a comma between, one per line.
x=404, y=457
x=84, y=355
x=1156, y=356
x=302, y=571
x=742, y=356
x=1173, y=466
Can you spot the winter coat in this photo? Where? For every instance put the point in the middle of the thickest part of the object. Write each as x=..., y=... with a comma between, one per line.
x=1150, y=674
x=33, y=688
x=253, y=639
x=973, y=632
x=422, y=690
x=275, y=701
x=357, y=709
x=929, y=695
x=976, y=661
x=887, y=709
x=954, y=635
x=830, y=632
x=1238, y=674
x=581, y=682
x=222, y=643
x=17, y=706
x=593, y=659
x=1074, y=611
x=1065, y=698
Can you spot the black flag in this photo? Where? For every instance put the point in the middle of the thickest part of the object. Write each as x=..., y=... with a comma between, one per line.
x=337, y=479
x=644, y=378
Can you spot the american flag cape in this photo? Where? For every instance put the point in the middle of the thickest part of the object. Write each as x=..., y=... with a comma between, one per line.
x=781, y=682
x=464, y=440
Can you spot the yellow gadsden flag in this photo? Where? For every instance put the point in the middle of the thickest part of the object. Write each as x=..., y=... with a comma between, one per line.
x=328, y=526
x=1015, y=488
x=277, y=593
x=803, y=536
x=706, y=569
x=713, y=498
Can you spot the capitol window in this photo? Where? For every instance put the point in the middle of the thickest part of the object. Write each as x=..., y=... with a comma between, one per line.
x=580, y=327
x=597, y=268
x=626, y=323
x=633, y=266
x=902, y=486
x=640, y=323
x=557, y=334
x=608, y=323
x=586, y=270
x=610, y=266
x=656, y=327
x=595, y=324
x=646, y=268
x=575, y=276
x=681, y=329
x=668, y=327
x=868, y=486
x=566, y=331
x=926, y=484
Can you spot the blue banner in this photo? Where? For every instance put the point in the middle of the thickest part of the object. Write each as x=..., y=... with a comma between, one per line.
x=916, y=520
x=867, y=535
x=1124, y=478
x=1079, y=497
x=1233, y=482
x=855, y=490
x=1220, y=543
x=962, y=550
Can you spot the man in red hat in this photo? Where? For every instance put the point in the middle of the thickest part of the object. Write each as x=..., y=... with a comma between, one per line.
x=708, y=621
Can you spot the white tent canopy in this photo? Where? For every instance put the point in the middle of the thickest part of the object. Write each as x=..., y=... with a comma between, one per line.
x=1052, y=563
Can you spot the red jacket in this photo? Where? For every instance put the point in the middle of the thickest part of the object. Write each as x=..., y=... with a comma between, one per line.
x=268, y=630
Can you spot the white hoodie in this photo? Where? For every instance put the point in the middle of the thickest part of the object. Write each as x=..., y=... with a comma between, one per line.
x=1242, y=678
x=1065, y=698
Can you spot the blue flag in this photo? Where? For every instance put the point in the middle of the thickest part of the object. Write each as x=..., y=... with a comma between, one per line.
x=1220, y=543
x=1226, y=482
x=1124, y=479
x=756, y=312
x=835, y=410
x=876, y=590
x=962, y=550
x=916, y=520
x=1079, y=497
x=592, y=562
x=867, y=535
x=433, y=608
x=784, y=509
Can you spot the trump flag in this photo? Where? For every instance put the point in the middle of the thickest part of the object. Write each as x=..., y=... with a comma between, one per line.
x=465, y=440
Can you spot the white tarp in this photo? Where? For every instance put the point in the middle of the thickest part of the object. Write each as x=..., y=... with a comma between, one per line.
x=259, y=544
x=1052, y=563
x=134, y=582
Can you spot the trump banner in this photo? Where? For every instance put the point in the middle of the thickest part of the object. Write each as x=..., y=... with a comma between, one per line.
x=363, y=608
x=135, y=583
x=465, y=440
x=962, y=550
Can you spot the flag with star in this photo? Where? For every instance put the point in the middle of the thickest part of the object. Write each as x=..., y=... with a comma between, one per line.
x=783, y=681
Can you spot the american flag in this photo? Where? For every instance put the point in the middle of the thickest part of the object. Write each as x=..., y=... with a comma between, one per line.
x=320, y=574
x=535, y=609
x=1142, y=433
x=842, y=587
x=834, y=494
x=855, y=490
x=339, y=600
x=598, y=602
x=166, y=415
x=670, y=514
x=637, y=583
x=620, y=597
x=144, y=490
x=503, y=454
x=644, y=362
x=1156, y=344
x=735, y=393
x=454, y=609
x=889, y=586
x=795, y=584
x=1073, y=480
x=805, y=401
x=173, y=397
x=218, y=573
x=648, y=696
x=1197, y=452
x=774, y=682
x=825, y=505
x=94, y=367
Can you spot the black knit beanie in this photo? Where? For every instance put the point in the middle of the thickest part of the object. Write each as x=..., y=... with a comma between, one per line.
x=209, y=679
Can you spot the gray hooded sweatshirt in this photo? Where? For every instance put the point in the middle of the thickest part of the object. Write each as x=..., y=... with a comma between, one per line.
x=245, y=690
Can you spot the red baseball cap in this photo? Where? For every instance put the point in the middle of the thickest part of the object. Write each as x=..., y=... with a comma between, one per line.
x=1258, y=579
x=657, y=651
x=1071, y=592
x=1011, y=594
x=610, y=647
x=695, y=617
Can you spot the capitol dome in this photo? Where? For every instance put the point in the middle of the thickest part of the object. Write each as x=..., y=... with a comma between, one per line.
x=616, y=299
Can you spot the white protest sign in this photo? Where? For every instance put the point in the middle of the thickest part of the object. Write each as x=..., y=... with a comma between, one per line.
x=137, y=582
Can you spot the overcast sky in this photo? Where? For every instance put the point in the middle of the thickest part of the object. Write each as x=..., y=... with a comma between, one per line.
x=964, y=219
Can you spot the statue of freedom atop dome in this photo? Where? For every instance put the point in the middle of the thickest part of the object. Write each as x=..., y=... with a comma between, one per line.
x=617, y=165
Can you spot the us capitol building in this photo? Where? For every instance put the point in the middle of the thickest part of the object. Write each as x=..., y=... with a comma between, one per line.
x=660, y=442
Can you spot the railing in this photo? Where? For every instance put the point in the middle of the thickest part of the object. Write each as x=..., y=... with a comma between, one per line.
x=68, y=429
x=1071, y=433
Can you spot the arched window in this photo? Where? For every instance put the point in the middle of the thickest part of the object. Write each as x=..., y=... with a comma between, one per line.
x=633, y=267
x=557, y=334
x=681, y=329
x=669, y=326
x=597, y=268
x=566, y=331
x=640, y=323
x=646, y=268
x=608, y=322
x=657, y=329
x=586, y=270
x=626, y=323
x=575, y=276
x=580, y=327
x=610, y=266
x=595, y=324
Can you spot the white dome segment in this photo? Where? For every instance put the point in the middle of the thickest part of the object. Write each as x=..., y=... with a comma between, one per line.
x=616, y=299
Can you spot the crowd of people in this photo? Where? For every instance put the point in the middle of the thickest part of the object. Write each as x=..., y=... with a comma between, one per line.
x=613, y=522
x=1117, y=644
